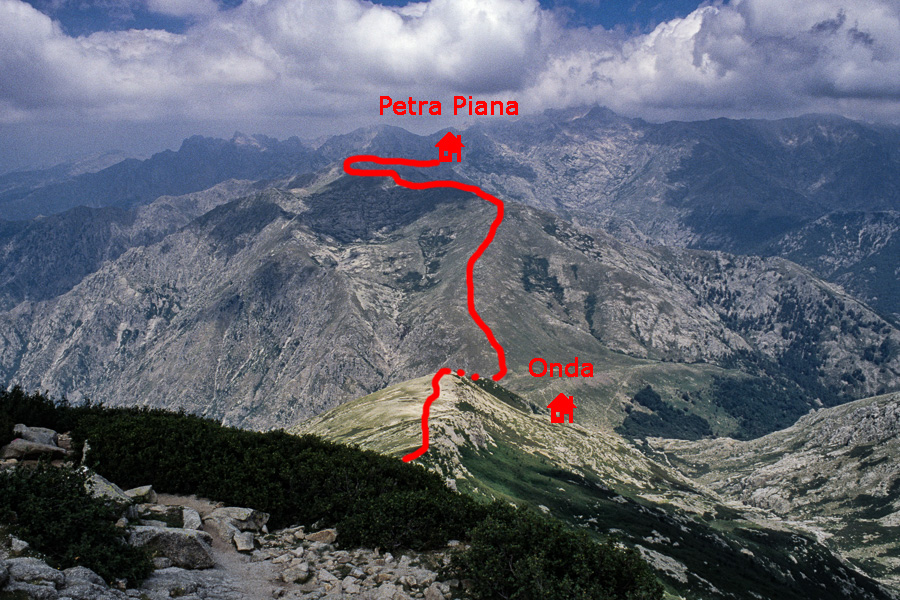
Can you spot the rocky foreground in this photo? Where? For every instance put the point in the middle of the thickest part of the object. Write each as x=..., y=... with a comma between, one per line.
x=204, y=550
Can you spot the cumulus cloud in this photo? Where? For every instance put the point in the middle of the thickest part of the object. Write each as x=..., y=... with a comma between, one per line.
x=331, y=60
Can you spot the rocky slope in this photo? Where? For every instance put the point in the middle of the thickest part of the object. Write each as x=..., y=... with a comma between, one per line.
x=835, y=471
x=491, y=443
x=858, y=250
x=289, y=301
x=44, y=258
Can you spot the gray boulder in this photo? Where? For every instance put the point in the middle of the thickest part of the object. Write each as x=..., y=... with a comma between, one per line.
x=245, y=519
x=244, y=541
x=100, y=487
x=32, y=570
x=186, y=548
x=221, y=528
x=191, y=518
x=40, y=435
x=21, y=448
x=82, y=575
x=143, y=494
x=32, y=591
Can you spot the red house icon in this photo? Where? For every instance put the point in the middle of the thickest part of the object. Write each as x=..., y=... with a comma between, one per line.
x=448, y=146
x=561, y=406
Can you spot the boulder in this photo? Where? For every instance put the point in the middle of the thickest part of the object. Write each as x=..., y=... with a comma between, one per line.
x=84, y=584
x=221, y=528
x=433, y=592
x=4, y=574
x=245, y=519
x=325, y=536
x=40, y=435
x=297, y=574
x=191, y=518
x=83, y=575
x=31, y=591
x=143, y=494
x=171, y=515
x=186, y=548
x=244, y=541
x=17, y=546
x=99, y=487
x=21, y=448
x=32, y=570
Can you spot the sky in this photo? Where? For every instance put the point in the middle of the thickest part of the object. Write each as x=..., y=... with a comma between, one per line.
x=84, y=76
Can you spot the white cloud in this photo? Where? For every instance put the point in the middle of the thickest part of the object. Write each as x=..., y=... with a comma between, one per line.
x=183, y=8
x=282, y=59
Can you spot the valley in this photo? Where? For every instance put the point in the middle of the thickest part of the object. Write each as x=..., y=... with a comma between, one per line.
x=737, y=354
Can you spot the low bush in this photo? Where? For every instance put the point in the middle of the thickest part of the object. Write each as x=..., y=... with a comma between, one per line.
x=35, y=410
x=50, y=508
x=516, y=554
x=411, y=519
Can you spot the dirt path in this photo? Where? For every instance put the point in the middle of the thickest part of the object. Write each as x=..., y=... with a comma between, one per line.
x=237, y=576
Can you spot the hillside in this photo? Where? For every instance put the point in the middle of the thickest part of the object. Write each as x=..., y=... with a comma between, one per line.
x=491, y=443
x=287, y=302
x=835, y=471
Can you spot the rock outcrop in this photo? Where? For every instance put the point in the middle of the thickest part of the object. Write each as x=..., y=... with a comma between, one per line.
x=186, y=548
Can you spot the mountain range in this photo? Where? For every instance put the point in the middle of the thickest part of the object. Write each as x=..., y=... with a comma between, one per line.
x=732, y=283
x=280, y=304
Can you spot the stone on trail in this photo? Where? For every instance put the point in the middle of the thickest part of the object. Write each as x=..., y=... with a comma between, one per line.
x=245, y=519
x=143, y=494
x=325, y=536
x=186, y=548
x=244, y=541
x=191, y=518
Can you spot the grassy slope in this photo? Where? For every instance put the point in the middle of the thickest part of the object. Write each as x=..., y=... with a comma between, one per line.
x=493, y=444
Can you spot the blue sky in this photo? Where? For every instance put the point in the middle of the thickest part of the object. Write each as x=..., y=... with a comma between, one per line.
x=89, y=16
x=83, y=76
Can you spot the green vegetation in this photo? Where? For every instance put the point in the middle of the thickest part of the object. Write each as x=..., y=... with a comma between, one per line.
x=514, y=553
x=50, y=508
x=666, y=420
x=761, y=405
x=371, y=499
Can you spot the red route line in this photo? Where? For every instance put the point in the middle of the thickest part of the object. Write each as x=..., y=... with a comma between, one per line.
x=470, y=266
x=435, y=392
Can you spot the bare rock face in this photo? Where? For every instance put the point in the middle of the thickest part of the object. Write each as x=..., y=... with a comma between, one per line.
x=186, y=548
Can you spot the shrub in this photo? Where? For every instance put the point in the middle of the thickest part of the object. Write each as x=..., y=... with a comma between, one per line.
x=35, y=410
x=50, y=508
x=410, y=519
x=516, y=554
x=297, y=480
